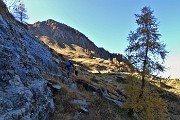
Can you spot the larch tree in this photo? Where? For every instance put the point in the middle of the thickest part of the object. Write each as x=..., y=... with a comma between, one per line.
x=145, y=50
x=20, y=12
x=17, y=9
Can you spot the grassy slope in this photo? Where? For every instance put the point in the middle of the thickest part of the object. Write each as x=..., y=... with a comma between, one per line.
x=100, y=108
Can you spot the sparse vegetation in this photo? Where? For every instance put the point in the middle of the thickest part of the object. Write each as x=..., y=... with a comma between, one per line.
x=149, y=106
x=100, y=106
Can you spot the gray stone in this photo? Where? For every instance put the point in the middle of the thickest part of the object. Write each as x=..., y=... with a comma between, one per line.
x=16, y=81
x=24, y=94
x=110, y=81
x=106, y=95
x=56, y=86
x=84, y=109
x=69, y=82
x=73, y=86
x=38, y=86
x=81, y=102
x=58, y=61
x=84, y=105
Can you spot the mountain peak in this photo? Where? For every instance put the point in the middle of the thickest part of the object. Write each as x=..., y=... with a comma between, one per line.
x=65, y=36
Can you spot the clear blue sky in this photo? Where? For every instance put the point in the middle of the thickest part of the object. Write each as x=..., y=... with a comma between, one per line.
x=108, y=22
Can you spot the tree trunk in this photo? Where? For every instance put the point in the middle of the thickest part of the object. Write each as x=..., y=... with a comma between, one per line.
x=21, y=17
x=142, y=87
x=144, y=71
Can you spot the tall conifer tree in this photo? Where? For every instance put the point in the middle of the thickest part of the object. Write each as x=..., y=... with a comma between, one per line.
x=145, y=51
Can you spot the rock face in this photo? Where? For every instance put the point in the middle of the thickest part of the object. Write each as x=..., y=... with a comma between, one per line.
x=24, y=93
x=62, y=36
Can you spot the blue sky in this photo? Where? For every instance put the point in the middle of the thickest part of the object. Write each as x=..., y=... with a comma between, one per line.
x=107, y=23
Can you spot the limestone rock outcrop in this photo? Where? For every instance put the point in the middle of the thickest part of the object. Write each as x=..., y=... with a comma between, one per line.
x=24, y=93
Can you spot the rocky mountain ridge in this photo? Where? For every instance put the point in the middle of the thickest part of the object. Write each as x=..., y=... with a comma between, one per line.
x=64, y=36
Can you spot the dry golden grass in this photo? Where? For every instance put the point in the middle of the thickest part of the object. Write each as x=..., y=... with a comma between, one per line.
x=80, y=56
x=175, y=86
x=100, y=108
x=63, y=107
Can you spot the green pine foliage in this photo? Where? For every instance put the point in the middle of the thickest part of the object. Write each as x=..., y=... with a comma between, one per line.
x=148, y=107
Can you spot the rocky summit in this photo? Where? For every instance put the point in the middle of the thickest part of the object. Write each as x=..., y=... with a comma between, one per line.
x=23, y=59
x=61, y=36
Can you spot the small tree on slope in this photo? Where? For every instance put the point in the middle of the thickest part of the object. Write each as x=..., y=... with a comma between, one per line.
x=145, y=51
x=17, y=9
x=20, y=12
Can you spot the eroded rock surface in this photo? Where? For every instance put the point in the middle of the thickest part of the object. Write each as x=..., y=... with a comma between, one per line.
x=24, y=93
